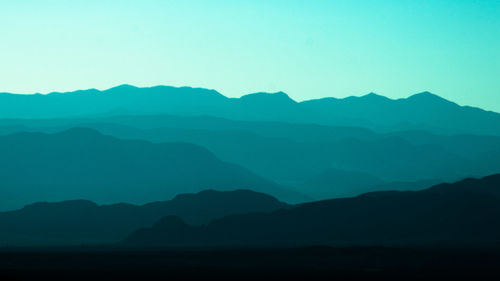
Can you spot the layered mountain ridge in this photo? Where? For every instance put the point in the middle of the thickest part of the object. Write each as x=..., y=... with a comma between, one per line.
x=460, y=214
x=423, y=111
x=82, y=163
x=76, y=222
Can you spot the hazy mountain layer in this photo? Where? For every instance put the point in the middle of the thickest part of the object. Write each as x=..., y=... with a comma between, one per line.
x=82, y=163
x=302, y=155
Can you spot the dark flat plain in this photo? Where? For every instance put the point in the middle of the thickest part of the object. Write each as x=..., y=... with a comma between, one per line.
x=305, y=263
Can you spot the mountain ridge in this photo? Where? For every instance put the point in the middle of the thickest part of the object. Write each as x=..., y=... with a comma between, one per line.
x=458, y=214
x=423, y=110
x=41, y=166
x=73, y=222
x=260, y=94
x=291, y=154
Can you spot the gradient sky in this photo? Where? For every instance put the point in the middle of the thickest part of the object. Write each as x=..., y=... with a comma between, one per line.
x=308, y=49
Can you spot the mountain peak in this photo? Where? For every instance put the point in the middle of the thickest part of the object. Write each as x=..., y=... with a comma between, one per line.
x=123, y=87
x=264, y=96
x=426, y=96
x=374, y=96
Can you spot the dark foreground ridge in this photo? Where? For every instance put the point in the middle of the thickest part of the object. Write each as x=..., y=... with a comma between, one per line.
x=464, y=213
x=80, y=222
x=312, y=263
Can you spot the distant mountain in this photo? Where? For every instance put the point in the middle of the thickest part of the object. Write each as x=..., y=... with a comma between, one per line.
x=121, y=99
x=84, y=222
x=300, y=154
x=298, y=132
x=462, y=144
x=423, y=111
x=82, y=163
x=460, y=214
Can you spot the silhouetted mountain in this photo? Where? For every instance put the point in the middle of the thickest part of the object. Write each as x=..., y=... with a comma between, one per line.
x=298, y=132
x=285, y=159
x=124, y=98
x=463, y=213
x=421, y=111
x=82, y=163
x=297, y=154
x=83, y=222
x=462, y=144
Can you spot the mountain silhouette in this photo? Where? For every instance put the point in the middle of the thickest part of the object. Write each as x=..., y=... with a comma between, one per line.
x=298, y=154
x=84, y=222
x=424, y=111
x=466, y=144
x=82, y=163
x=464, y=213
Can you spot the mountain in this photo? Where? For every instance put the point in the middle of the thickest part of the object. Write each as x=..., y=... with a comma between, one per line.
x=124, y=98
x=462, y=144
x=423, y=111
x=298, y=132
x=82, y=163
x=458, y=214
x=285, y=158
x=301, y=155
x=84, y=222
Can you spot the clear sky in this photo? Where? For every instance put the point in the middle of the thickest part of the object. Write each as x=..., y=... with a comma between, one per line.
x=308, y=49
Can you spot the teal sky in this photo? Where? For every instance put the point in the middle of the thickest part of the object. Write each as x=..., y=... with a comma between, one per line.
x=308, y=49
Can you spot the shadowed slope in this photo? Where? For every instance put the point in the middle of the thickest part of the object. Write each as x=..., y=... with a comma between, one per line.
x=79, y=221
x=463, y=213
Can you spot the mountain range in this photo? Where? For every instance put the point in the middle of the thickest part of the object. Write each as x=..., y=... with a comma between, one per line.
x=301, y=160
x=445, y=215
x=78, y=222
x=363, y=170
x=315, y=160
x=424, y=111
x=83, y=164
x=459, y=214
